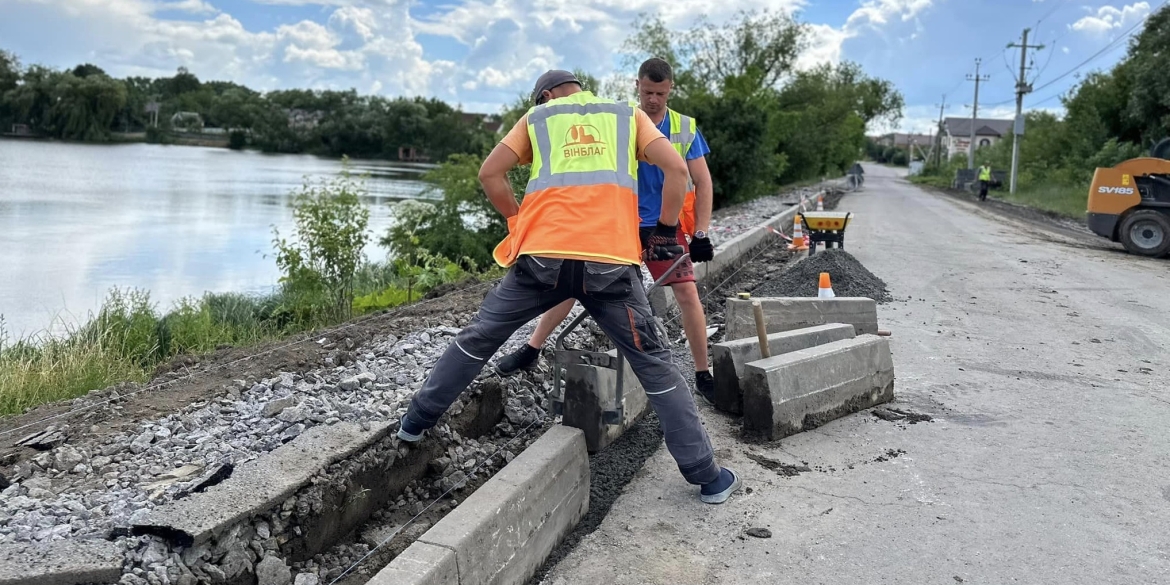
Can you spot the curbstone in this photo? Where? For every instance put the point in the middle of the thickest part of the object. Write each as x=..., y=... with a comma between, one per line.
x=420, y=564
x=729, y=357
x=61, y=562
x=588, y=389
x=505, y=530
x=259, y=484
x=788, y=313
x=793, y=392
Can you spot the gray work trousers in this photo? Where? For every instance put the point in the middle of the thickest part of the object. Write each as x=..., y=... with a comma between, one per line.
x=613, y=295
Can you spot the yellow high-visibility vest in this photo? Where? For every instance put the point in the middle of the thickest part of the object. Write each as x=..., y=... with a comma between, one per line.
x=581, y=200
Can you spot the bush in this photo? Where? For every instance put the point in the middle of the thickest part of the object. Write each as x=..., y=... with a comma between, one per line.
x=320, y=266
x=237, y=140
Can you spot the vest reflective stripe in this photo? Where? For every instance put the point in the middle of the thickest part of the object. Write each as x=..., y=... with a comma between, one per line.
x=682, y=135
x=581, y=198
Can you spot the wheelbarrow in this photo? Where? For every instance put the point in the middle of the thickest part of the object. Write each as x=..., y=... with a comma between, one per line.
x=827, y=227
x=565, y=356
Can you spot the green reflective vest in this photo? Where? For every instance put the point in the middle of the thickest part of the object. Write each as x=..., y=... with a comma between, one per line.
x=985, y=173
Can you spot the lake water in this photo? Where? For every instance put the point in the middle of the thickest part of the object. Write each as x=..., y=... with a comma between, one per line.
x=77, y=219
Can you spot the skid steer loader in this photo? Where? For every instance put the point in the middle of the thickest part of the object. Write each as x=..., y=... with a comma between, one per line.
x=1130, y=203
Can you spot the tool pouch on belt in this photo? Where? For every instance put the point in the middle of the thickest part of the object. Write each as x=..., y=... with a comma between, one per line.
x=609, y=282
x=538, y=273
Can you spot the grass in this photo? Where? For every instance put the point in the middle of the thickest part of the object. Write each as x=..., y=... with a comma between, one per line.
x=1064, y=200
x=129, y=337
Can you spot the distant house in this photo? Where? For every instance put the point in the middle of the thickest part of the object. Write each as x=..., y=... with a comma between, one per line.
x=899, y=140
x=191, y=121
x=21, y=130
x=299, y=119
x=957, y=134
x=492, y=122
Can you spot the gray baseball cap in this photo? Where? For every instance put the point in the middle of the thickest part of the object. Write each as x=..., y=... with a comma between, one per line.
x=551, y=79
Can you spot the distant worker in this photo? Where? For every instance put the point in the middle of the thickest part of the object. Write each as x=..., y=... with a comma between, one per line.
x=576, y=237
x=984, y=181
x=654, y=83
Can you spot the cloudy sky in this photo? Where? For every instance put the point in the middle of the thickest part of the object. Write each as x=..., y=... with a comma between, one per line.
x=481, y=53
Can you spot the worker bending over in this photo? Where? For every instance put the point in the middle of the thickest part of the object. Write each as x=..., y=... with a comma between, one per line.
x=576, y=237
x=655, y=80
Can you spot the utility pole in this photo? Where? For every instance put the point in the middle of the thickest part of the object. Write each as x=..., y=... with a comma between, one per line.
x=938, y=141
x=974, y=113
x=1022, y=88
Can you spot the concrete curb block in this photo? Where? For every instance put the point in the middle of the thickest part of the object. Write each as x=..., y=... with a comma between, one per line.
x=506, y=529
x=589, y=390
x=62, y=562
x=308, y=493
x=259, y=484
x=729, y=358
x=794, y=392
x=789, y=313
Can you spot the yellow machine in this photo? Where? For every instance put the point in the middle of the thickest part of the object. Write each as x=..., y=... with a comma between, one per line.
x=1130, y=203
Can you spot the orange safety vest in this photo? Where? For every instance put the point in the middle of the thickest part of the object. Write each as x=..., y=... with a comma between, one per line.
x=581, y=201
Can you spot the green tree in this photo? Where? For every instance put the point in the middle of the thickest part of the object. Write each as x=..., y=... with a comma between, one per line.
x=1148, y=62
x=87, y=69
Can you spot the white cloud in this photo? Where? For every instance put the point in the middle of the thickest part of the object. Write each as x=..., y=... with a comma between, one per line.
x=190, y=6
x=1109, y=18
x=371, y=44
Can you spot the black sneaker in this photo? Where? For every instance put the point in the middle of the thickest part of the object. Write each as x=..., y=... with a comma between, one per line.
x=705, y=386
x=524, y=358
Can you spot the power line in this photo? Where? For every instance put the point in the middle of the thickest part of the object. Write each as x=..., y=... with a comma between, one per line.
x=1111, y=45
x=1045, y=100
x=1055, y=6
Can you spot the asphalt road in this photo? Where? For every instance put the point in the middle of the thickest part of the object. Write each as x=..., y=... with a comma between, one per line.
x=1043, y=362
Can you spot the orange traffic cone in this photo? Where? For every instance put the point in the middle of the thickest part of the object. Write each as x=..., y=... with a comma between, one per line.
x=825, y=287
x=798, y=242
x=821, y=201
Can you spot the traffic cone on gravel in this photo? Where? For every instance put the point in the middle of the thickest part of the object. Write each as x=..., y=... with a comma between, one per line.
x=821, y=201
x=798, y=242
x=825, y=288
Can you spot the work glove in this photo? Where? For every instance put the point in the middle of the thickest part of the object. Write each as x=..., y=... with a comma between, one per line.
x=702, y=250
x=663, y=243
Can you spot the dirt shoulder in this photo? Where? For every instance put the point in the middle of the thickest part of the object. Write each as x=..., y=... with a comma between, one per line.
x=190, y=379
x=1044, y=220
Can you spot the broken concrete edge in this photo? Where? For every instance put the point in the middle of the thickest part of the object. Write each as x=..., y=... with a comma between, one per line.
x=259, y=485
x=728, y=358
x=506, y=529
x=725, y=256
x=61, y=562
x=318, y=513
x=804, y=389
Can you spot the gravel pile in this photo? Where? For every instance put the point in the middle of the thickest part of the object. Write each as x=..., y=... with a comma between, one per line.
x=849, y=278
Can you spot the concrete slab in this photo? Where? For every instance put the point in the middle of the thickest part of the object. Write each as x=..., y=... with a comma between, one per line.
x=420, y=564
x=259, y=484
x=61, y=562
x=728, y=358
x=505, y=530
x=788, y=313
x=589, y=390
x=793, y=392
